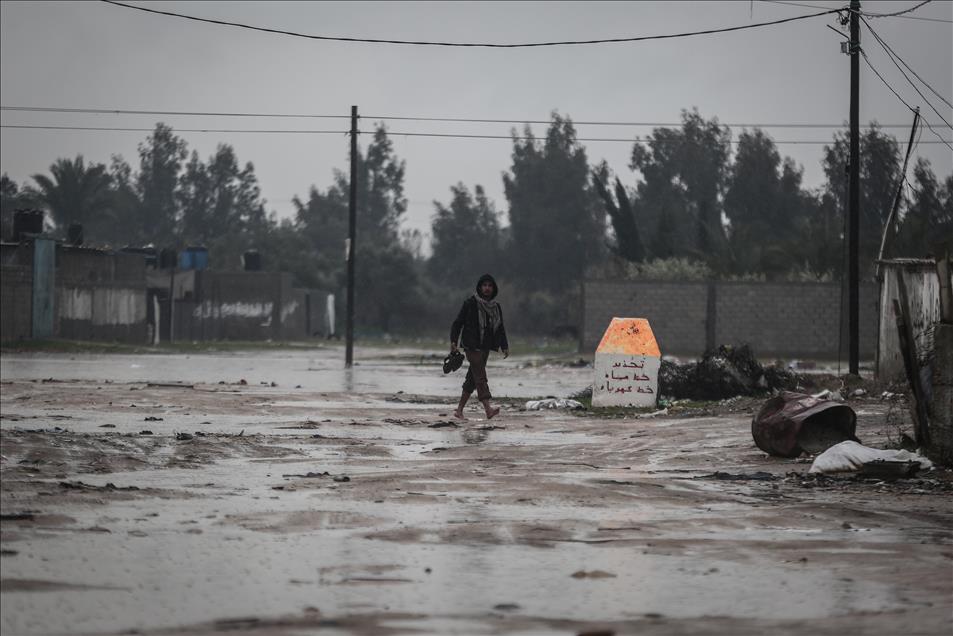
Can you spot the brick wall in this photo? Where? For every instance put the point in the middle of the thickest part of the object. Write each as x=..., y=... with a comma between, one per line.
x=786, y=319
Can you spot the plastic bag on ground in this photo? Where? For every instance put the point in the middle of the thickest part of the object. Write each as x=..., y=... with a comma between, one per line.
x=850, y=456
x=553, y=403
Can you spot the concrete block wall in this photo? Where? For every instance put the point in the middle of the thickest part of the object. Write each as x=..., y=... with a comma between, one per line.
x=98, y=295
x=792, y=319
x=241, y=306
x=16, y=302
x=776, y=319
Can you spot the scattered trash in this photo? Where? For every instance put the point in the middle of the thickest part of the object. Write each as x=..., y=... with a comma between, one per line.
x=592, y=574
x=308, y=475
x=657, y=413
x=889, y=470
x=858, y=392
x=851, y=456
x=107, y=426
x=78, y=485
x=758, y=476
x=827, y=394
x=146, y=432
x=553, y=403
x=341, y=478
x=152, y=418
x=443, y=424
x=792, y=423
x=184, y=437
x=722, y=373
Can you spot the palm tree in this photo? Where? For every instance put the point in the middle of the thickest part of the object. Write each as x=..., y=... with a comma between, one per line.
x=76, y=193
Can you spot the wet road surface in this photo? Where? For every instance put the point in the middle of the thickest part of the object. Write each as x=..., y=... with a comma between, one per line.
x=356, y=505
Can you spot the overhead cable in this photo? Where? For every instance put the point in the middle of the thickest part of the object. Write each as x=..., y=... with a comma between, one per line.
x=390, y=133
x=911, y=82
x=895, y=13
x=878, y=15
x=902, y=100
x=176, y=113
x=893, y=54
x=469, y=44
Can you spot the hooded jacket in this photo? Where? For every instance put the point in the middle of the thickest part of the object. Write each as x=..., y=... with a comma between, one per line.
x=466, y=327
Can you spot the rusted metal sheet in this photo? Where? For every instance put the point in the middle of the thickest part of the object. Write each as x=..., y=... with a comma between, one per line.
x=792, y=423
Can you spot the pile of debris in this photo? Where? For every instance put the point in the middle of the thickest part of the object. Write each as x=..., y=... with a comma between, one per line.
x=722, y=373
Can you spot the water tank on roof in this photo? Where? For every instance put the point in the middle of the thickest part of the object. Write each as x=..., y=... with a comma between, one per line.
x=167, y=258
x=252, y=261
x=27, y=222
x=74, y=235
x=199, y=257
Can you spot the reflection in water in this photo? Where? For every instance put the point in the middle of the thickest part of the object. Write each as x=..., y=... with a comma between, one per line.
x=475, y=435
x=349, y=379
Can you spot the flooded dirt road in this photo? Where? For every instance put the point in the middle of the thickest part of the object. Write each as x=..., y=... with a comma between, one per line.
x=160, y=495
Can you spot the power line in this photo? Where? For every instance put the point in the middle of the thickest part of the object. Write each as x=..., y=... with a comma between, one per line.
x=189, y=130
x=905, y=17
x=469, y=44
x=118, y=111
x=895, y=13
x=902, y=100
x=907, y=77
x=893, y=53
x=799, y=4
x=390, y=133
x=900, y=14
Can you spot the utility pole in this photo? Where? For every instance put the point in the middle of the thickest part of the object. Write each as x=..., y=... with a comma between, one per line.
x=853, y=197
x=351, y=242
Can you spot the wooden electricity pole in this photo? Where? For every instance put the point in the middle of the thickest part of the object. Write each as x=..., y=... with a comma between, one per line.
x=853, y=197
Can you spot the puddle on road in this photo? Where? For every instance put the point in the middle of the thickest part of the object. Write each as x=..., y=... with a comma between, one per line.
x=317, y=370
x=449, y=524
x=175, y=578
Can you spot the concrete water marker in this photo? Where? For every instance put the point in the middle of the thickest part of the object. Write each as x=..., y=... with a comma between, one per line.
x=627, y=365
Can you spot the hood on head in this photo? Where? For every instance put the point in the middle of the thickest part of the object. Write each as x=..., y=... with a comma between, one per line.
x=483, y=279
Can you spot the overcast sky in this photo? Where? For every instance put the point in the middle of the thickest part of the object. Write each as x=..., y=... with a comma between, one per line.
x=95, y=55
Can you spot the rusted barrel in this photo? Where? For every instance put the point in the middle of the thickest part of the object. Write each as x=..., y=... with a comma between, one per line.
x=792, y=423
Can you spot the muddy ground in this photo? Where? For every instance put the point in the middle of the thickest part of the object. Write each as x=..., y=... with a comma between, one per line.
x=274, y=493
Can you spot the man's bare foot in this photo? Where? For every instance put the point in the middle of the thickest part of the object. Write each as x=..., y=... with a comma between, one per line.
x=492, y=413
x=459, y=415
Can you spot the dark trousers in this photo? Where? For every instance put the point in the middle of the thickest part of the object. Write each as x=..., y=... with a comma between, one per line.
x=476, y=375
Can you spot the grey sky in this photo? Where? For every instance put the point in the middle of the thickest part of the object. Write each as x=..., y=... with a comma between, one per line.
x=90, y=54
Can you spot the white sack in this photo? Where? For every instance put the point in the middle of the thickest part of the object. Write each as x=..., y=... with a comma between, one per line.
x=850, y=456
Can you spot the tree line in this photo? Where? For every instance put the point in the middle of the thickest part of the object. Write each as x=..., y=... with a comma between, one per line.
x=689, y=203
